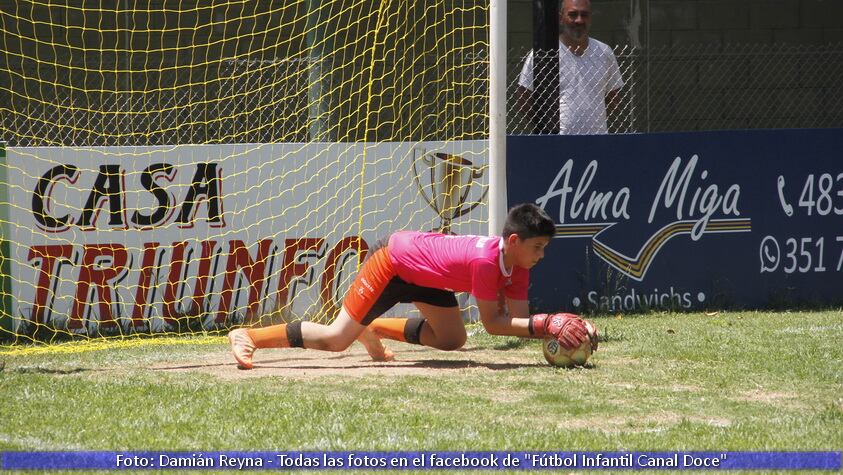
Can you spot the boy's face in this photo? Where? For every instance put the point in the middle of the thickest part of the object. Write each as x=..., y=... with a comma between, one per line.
x=527, y=252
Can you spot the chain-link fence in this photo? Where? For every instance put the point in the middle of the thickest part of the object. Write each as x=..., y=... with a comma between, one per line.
x=684, y=88
x=678, y=88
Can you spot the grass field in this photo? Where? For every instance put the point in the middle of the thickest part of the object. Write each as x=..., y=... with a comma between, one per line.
x=730, y=381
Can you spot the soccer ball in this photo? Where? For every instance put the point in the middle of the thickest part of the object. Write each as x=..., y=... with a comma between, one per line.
x=556, y=355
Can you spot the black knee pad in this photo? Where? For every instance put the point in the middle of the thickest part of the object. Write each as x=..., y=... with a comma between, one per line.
x=413, y=329
x=294, y=335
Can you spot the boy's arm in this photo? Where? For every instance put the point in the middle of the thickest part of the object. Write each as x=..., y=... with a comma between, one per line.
x=568, y=329
x=518, y=308
x=496, y=321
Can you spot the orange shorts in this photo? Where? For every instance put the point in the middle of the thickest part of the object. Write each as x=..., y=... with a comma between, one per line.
x=368, y=286
x=377, y=288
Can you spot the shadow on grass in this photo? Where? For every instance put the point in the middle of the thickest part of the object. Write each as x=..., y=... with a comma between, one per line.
x=427, y=363
x=460, y=364
x=512, y=344
x=38, y=370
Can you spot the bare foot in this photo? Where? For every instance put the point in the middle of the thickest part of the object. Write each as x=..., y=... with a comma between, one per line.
x=377, y=350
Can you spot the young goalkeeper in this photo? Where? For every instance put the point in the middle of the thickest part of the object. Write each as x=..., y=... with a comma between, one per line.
x=426, y=269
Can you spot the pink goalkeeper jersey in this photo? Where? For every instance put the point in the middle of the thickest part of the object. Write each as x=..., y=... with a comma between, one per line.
x=457, y=263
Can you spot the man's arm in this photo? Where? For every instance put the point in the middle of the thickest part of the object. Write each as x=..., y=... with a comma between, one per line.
x=613, y=99
x=524, y=108
x=614, y=82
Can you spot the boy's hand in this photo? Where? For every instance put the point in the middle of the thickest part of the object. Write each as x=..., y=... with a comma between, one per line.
x=568, y=329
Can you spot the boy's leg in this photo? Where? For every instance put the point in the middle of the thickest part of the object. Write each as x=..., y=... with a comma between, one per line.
x=337, y=336
x=440, y=327
x=365, y=292
x=375, y=347
x=334, y=337
x=444, y=328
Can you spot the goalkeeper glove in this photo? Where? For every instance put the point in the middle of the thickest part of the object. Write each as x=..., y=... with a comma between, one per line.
x=568, y=329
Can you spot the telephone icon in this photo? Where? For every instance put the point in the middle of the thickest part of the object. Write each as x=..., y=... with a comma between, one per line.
x=788, y=210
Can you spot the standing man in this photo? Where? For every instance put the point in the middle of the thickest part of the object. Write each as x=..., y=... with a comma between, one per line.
x=589, y=77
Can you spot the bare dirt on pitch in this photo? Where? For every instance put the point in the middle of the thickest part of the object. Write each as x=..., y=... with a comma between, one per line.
x=409, y=360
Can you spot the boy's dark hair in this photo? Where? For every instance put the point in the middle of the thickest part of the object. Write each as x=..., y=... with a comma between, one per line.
x=528, y=221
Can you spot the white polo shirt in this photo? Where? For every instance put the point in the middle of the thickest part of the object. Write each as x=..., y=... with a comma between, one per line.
x=584, y=82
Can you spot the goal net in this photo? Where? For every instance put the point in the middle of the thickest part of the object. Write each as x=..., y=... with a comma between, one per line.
x=189, y=166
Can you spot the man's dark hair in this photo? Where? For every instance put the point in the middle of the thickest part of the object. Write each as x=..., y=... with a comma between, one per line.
x=528, y=221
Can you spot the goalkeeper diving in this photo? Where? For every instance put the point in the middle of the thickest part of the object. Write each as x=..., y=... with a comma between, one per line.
x=425, y=269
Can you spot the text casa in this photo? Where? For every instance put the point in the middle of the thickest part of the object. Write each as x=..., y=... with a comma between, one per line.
x=109, y=192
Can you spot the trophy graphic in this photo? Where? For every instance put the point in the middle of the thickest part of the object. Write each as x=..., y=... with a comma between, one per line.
x=444, y=181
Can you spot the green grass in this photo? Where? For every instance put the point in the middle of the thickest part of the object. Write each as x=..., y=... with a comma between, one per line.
x=728, y=382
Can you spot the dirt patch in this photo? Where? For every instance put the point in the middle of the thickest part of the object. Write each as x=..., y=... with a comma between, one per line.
x=712, y=421
x=685, y=388
x=631, y=424
x=410, y=360
x=769, y=397
x=623, y=423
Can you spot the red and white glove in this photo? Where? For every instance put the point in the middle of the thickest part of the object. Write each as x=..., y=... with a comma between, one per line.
x=568, y=329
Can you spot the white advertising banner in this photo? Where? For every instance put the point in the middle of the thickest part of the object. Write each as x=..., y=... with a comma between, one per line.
x=133, y=239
